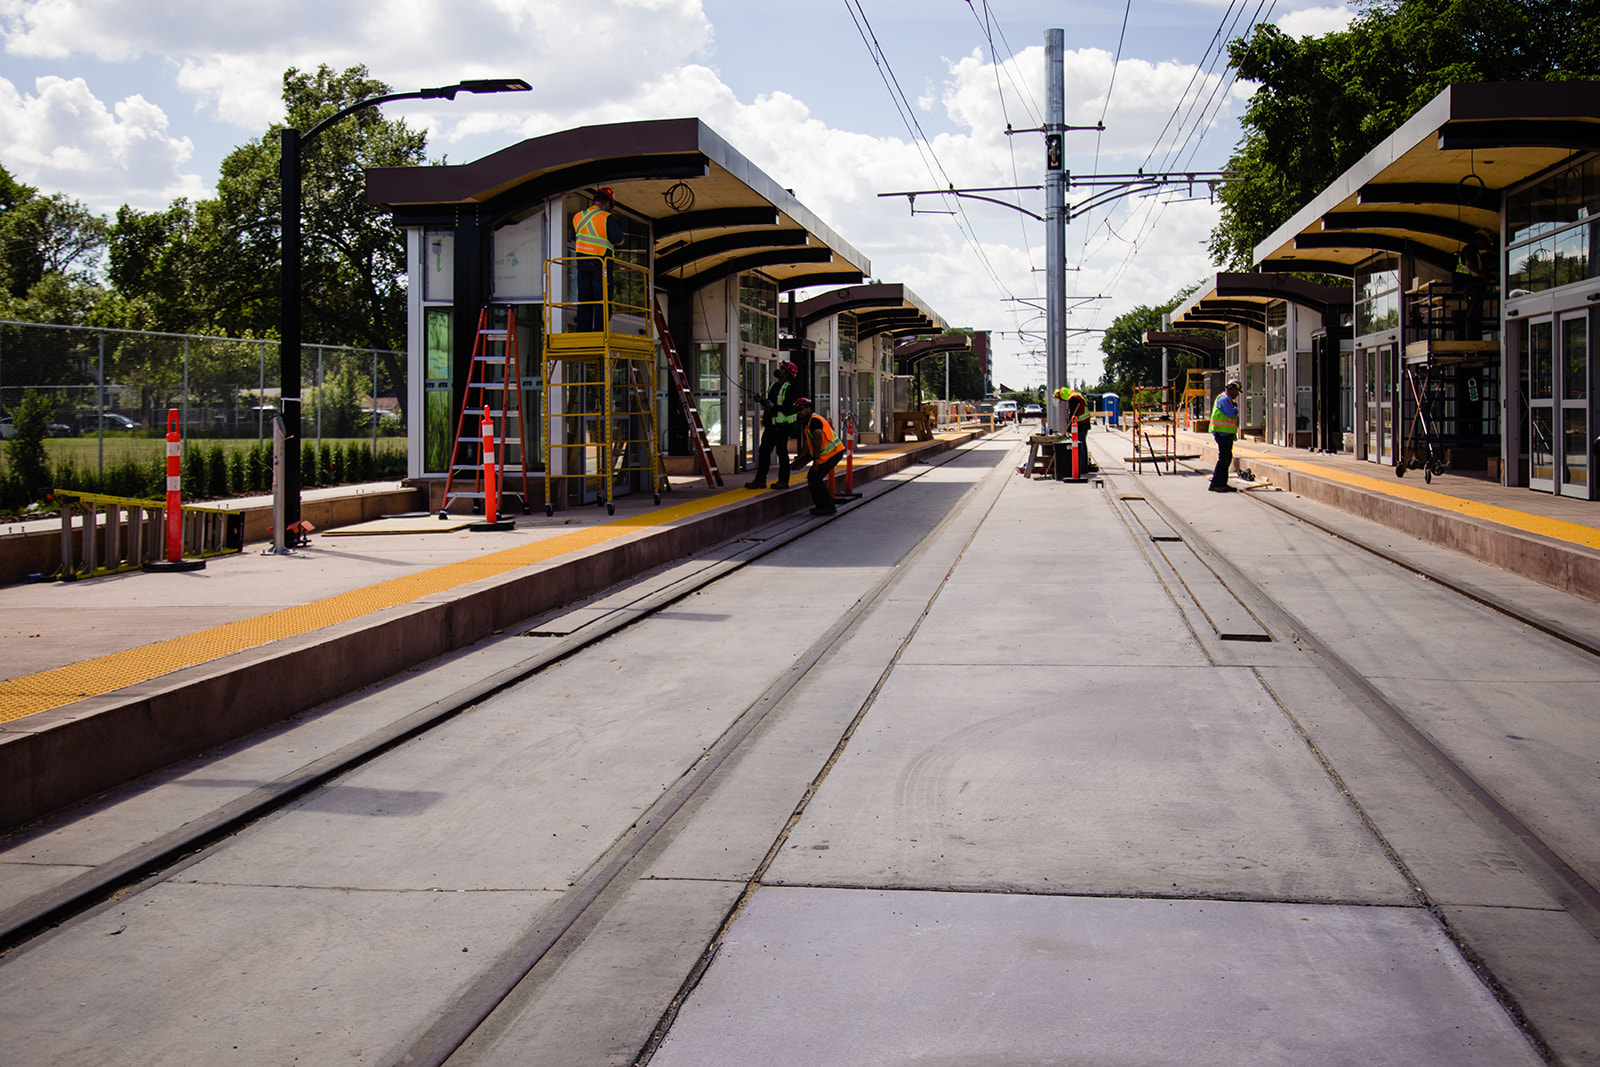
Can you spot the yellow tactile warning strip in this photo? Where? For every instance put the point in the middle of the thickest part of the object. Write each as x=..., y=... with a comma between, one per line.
x=34, y=693
x=1556, y=529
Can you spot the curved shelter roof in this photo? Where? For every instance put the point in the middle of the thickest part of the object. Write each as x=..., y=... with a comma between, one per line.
x=715, y=213
x=1242, y=298
x=1439, y=178
x=879, y=308
x=1207, y=348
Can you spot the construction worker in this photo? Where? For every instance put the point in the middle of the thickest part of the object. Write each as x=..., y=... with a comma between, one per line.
x=1224, y=430
x=819, y=442
x=596, y=234
x=1078, y=416
x=777, y=422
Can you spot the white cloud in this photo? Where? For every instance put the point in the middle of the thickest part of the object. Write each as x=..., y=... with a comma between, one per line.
x=64, y=139
x=1316, y=21
x=656, y=63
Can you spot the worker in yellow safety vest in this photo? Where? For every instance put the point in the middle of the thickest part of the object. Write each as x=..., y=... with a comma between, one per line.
x=818, y=441
x=777, y=422
x=596, y=233
x=1224, y=430
x=1078, y=416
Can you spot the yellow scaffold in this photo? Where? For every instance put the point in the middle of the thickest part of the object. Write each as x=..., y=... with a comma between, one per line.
x=599, y=383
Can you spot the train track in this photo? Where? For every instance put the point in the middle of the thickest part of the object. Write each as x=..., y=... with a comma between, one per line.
x=160, y=858
x=1577, y=892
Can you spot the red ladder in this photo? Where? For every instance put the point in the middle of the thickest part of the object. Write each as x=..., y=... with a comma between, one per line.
x=494, y=381
x=691, y=413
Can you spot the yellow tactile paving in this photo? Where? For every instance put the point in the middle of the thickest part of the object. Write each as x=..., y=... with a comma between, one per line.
x=1556, y=529
x=34, y=693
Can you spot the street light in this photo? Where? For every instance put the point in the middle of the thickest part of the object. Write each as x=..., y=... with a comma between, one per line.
x=291, y=141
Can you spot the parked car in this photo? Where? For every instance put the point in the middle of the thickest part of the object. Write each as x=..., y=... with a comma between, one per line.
x=108, y=421
x=59, y=429
x=8, y=429
x=1005, y=410
x=1033, y=411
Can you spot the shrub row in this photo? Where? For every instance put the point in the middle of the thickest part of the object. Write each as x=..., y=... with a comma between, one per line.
x=213, y=472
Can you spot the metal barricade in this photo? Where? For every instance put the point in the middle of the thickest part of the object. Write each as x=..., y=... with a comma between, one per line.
x=103, y=535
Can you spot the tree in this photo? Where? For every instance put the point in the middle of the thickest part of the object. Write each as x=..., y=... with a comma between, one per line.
x=353, y=257
x=1128, y=361
x=1324, y=102
x=49, y=254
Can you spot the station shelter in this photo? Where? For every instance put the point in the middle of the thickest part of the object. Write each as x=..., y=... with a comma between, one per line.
x=1470, y=241
x=849, y=339
x=707, y=247
x=1287, y=342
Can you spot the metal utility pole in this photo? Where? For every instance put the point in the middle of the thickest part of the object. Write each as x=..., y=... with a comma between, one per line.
x=1055, y=223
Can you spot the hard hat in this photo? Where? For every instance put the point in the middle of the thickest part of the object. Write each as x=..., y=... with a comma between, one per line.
x=1233, y=383
x=606, y=193
x=789, y=367
x=803, y=402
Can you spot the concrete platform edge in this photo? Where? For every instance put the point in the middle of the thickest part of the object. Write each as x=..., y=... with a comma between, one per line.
x=61, y=757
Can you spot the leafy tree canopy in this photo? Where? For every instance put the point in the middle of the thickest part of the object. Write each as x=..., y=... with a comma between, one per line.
x=1324, y=102
x=1128, y=362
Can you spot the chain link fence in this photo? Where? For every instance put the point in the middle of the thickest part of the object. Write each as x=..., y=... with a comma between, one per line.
x=110, y=391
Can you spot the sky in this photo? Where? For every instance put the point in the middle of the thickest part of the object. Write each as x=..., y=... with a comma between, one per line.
x=137, y=102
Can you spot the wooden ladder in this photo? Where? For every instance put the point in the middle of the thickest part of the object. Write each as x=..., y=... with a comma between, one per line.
x=691, y=413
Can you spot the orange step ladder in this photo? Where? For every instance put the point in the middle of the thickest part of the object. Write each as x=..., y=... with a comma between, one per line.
x=494, y=382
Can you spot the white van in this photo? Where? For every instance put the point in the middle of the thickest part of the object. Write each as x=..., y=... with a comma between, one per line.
x=1005, y=411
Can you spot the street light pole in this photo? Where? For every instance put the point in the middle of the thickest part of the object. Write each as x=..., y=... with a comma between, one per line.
x=291, y=142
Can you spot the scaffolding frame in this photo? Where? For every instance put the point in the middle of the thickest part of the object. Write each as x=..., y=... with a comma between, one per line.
x=599, y=385
x=1155, y=427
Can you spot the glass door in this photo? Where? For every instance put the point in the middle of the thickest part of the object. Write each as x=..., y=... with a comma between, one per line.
x=1380, y=372
x=1574, y=414
x=1537, y=336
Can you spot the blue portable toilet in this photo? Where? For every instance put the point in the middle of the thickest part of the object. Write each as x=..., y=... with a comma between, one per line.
x=1111, y=404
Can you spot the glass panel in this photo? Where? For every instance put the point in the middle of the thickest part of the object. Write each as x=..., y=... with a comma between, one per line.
x=1575, y=358
x=1568, y=206
x=437, y=396
x=1576, y=460
x=438, y=266
x=1541, y=451
x=1540, y=360
x=709, y=391
x=1571, y=262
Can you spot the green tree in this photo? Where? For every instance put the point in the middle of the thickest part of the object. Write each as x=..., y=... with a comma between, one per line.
x=1322, y=103
x=1128, y=362
x=49, y=255
x=25, y=452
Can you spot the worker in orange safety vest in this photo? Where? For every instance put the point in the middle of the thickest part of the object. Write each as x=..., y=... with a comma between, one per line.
x=817, y=441
x=596, y=234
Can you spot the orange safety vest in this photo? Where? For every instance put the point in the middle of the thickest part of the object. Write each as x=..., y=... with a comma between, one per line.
x=822, y=442
x=590, y=227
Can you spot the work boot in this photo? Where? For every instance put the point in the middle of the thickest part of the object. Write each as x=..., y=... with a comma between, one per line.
x=780, y=485
x=757, y=484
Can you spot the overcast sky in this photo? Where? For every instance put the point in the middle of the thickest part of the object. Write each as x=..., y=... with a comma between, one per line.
x=138, y=101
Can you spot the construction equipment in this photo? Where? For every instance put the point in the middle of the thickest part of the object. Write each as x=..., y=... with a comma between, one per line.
x=600, y=386
x=691, y=411
x=1155, y=428
x=494, y=384
x=1195, y=398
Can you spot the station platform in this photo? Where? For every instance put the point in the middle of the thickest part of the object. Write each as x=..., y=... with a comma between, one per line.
x=104, y=679
x=1553, y=540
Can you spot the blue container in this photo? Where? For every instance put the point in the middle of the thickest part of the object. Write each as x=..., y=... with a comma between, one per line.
x=1111, y=404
